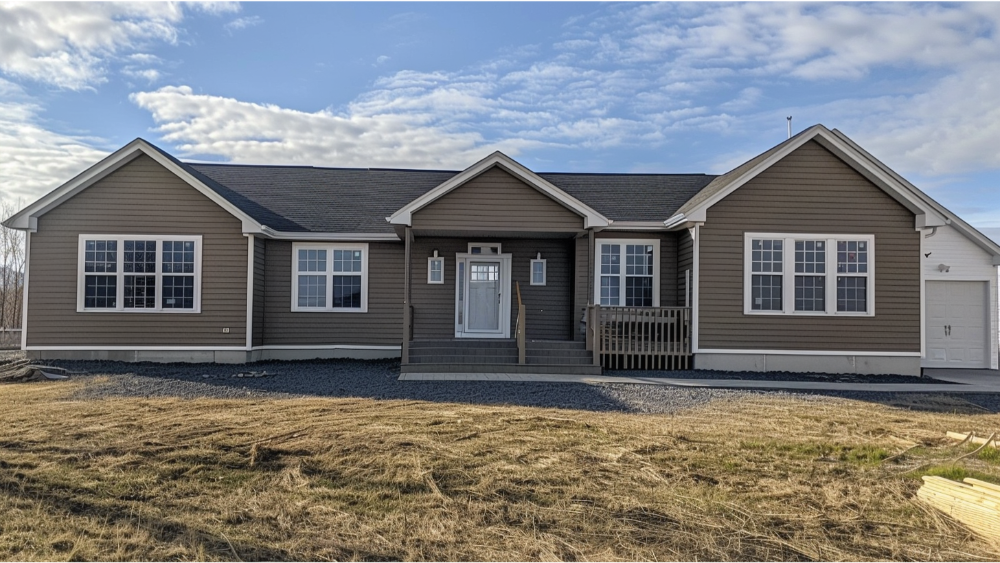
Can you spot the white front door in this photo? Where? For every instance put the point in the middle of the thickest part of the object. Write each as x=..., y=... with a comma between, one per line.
x=482, y=300
x=485, y=295
x=956, y=324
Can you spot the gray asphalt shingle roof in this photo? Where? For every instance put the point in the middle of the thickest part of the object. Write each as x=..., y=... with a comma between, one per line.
x=357, y=200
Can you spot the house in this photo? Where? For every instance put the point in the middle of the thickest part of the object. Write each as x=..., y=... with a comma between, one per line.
x=813, y=256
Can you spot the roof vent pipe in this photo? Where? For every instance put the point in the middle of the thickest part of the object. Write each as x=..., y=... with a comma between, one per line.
x=789, y=118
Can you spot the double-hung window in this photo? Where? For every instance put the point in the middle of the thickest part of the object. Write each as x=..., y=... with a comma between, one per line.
x=627, y=273
x=809, y=274
x=140, y=273
x=330, y=277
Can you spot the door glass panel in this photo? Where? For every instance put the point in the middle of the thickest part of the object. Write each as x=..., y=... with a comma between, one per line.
x=484, y=296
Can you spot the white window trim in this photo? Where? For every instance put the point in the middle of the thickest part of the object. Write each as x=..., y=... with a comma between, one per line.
x=788, y=274
x=624, y=241
x=329, y=273
x=531, y=272
x=431, y=260
x=120, y=274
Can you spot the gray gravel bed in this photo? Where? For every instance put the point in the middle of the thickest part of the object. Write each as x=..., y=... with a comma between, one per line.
x=776, y=376
x=378, y=380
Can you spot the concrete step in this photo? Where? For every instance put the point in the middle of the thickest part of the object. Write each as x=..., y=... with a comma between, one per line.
x=515, y=368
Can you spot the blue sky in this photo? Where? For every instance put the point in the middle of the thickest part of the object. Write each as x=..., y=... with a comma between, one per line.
x=558, y=86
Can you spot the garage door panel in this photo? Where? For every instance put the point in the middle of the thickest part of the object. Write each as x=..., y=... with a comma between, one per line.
x=956, y=324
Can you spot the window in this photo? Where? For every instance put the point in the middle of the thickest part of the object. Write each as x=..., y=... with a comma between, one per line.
x=804, y=275
x=435, y=269
x=484, y=248
x=627, y=273
x=140, y=273
x=330, y=277
x=538, y=271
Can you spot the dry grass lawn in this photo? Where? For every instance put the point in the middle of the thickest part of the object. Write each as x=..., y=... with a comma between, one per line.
x=756, y=479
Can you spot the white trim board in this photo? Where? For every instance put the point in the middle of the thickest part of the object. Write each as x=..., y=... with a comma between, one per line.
x=24, y=291
x=806, y=353
x=591, y=218
x=250, y=272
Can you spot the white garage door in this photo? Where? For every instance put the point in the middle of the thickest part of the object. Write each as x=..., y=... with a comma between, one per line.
x=957, y=328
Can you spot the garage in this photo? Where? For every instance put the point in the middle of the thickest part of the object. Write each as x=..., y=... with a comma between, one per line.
x=957, y=324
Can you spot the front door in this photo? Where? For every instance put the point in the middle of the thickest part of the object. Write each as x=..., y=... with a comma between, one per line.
x=482, y=300
x=485, y=295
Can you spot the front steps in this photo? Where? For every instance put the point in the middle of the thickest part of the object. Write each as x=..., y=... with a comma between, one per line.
x=499, y=356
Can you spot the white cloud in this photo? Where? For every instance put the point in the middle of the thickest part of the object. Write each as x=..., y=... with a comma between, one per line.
x=243, y=23
x=68, y=45
x=214, y=8
x=381, y=60
x=150, y=75
x=247, y=132
x=35, y=159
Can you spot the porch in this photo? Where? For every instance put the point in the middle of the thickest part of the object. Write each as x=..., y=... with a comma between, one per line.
x=640, y=338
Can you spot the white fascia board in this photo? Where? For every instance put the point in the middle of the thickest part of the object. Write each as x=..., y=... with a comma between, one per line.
x=268, y=232
x=901, y=191
x=591, y=218
x=27, y=218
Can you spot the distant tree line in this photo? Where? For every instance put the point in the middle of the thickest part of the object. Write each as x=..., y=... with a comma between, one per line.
x=11, y=270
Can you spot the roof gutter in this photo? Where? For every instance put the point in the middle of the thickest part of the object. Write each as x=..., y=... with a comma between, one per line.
x=270, y=233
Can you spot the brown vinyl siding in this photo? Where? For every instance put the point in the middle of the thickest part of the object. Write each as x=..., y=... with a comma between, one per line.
x=382, y=325
x=667, y=260
x=581, y=288
x=140, y=198
x=259, y=290
x=685, y=262
x=496, y=200
x=810, y=191
x=547, y=308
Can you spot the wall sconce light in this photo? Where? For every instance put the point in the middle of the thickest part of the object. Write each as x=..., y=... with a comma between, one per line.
x=944, y=268
x=538, y=256
x=435, y=254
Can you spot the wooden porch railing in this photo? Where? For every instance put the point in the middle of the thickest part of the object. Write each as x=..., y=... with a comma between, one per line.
x=640, y=337
x=519, y=328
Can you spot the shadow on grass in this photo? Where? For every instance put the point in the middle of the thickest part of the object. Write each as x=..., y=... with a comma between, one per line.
x=378, y=379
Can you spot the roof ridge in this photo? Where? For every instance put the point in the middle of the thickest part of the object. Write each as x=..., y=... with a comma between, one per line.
x=431, y=170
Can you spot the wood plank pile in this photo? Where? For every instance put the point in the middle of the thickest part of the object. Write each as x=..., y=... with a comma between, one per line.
x=21, y=371
x=973, y=503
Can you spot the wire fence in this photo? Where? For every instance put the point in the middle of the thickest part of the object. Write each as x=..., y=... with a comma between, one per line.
x=10, y=338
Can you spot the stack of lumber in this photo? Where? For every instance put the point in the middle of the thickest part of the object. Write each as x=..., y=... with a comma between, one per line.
x=973, y=503
x=20, y=370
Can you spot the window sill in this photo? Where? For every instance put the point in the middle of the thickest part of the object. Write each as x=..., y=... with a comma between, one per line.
x=143, y=311
x=326, y=310
x=805, y=314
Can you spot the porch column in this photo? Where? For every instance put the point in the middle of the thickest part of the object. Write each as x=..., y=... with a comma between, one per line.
x=407, y=307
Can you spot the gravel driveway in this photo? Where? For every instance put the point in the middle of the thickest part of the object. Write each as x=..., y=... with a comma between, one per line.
x=378, y=380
